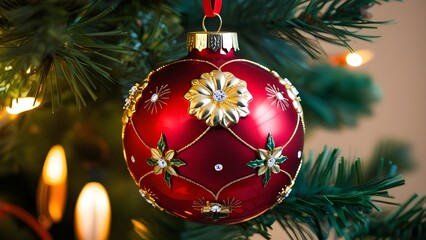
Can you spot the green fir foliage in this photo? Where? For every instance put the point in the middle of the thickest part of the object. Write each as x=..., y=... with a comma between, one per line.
x=331, y=194
x=333, y=97
x=408, y=221
x=49, y=46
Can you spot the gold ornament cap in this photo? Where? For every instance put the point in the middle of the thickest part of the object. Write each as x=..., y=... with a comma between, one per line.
x=212, y=40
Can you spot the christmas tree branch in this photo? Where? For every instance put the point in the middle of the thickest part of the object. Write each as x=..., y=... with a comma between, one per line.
x=329, y=194
x=153, y=35
x=333, y=96
x=334, y=194
x=50, y=49
x=332, y=21
x=47, y=47
x=406, y=222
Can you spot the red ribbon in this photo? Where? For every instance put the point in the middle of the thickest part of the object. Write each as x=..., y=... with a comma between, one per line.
x=209, y=11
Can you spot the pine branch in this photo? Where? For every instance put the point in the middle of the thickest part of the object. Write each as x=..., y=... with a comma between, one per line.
x=333, y=195
x=153, y=34
x=329, y=195
x=50, y=46
x=58, y=47
x=333, y=96
x=406, y=222
x=332, y=21
x=395, y=151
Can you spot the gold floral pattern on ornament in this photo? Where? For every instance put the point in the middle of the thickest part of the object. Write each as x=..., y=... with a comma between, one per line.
x=162, y=159
x=218, y=98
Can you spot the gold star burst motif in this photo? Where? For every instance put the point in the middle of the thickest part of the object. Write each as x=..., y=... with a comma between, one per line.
x=277, y=97
x=157, y=99
x=219, y=98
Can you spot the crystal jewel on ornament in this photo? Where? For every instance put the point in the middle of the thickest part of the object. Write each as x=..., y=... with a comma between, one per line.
x=154, y=97
x=218, y=167
x=271, y=162
x=219, y=95
x=162, y=163
x=215, y=208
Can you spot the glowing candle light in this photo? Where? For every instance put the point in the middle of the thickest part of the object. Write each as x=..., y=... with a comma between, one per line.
x=92, y=213
x=20, y=105
x=52, y=189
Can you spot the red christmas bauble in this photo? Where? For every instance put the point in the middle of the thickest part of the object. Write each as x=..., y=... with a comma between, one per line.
x=212, y=138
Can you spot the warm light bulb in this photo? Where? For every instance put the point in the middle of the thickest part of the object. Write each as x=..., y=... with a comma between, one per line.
x=20, y=105
x=52, y=189
x=92, y=213
x=354, y=59
x=55, y=166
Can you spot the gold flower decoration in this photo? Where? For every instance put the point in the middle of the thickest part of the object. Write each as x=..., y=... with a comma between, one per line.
x=218, y=98
x=269, y=160
x=215, y=210
x=163, y=160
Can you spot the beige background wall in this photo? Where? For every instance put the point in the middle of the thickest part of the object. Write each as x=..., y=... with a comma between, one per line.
x=399, y=68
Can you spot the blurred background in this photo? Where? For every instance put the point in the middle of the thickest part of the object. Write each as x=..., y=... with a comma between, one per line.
x=398, y=66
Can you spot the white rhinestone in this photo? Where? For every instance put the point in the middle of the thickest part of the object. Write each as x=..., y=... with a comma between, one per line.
x=132, y=158
x=133, y=90
x=291, y=94
x=142, y=193
x=288, y=193
x=271, y=162
x=162, y=163
x=154, y=97
x=285, y=196
x=127, y=102
x=215, y=208
x=219, y=95
x=287, y=81
x=279, y=96
x=299, y=154
x=218, y=167
x=294, y=90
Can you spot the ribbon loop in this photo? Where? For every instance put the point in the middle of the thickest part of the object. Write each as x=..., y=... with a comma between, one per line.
x=210, y=11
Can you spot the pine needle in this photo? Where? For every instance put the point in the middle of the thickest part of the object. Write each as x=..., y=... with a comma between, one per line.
x=63, y=45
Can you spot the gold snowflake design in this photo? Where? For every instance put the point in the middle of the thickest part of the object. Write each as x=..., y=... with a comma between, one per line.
x=277, y=97
x=150, y=197
x=157, y=99
x=218, y=98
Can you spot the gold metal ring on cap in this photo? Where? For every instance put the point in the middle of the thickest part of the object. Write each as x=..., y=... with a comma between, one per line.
x=220, y=23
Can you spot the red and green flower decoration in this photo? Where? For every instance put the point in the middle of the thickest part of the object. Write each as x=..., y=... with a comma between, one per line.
x=162, y=159
x=269, y=161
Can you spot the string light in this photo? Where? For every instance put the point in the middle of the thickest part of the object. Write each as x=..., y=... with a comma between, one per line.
x=52, y=189
x=20, y=105
x=354, y=59
x=92, y=213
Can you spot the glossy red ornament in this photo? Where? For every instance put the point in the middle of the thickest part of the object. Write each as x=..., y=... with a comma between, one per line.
x=213, y=155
